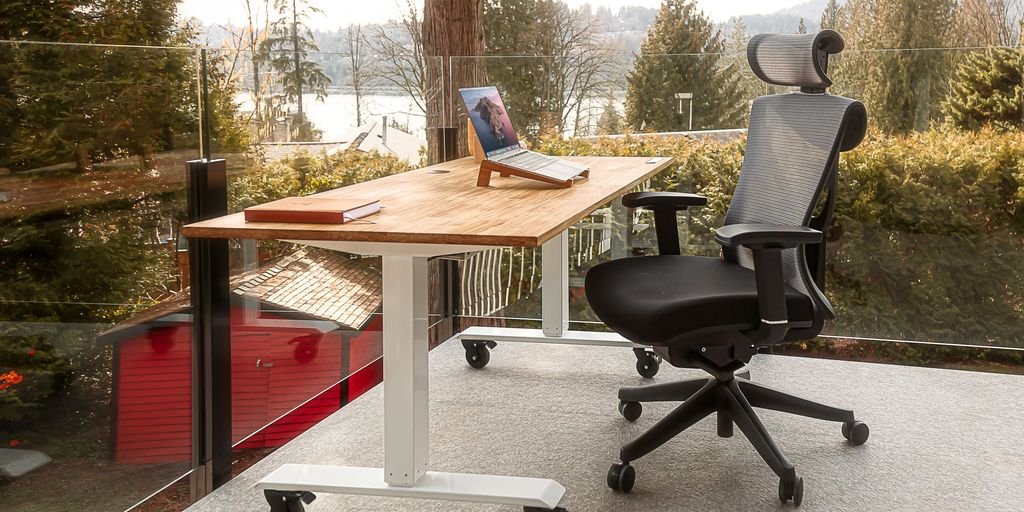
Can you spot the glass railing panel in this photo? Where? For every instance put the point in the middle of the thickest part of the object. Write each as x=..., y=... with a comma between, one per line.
x=95, y=373
x=306, y=323
x=925, y=245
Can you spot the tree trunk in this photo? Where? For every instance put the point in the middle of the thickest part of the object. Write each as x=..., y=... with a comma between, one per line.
x=83, y=162
x=297, y=59
x=451, y=28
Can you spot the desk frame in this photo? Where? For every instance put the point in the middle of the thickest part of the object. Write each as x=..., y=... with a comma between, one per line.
x=406, y=384
x=405, y=254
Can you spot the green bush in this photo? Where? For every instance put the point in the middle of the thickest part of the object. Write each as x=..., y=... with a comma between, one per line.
x=31, y=374
x=927, y=241
x=306, y=174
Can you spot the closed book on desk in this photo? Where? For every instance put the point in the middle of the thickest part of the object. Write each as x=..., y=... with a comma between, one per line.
x=312, y=210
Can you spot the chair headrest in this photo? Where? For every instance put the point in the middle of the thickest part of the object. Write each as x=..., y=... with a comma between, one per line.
x=799, y=60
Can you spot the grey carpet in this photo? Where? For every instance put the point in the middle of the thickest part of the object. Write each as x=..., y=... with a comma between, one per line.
x=940, y=439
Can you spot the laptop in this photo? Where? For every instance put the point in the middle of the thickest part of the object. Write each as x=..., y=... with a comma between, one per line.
x=499, y=140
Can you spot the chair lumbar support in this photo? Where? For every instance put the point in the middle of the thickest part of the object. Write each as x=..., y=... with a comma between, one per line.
x=768, y=286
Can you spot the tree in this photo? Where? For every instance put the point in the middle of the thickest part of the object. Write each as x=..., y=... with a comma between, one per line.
x=451, y=28
x=831, y=17
x=987, y=90
x=682, y=53
x=47, y=20
x=549, y=62
x=401, y=62
x=610, y=122
x=253, y=34
x=902, y=89
x=749, y=86
x=286, y=49
x=989, y=22
x=99, y=102
x=357, y=61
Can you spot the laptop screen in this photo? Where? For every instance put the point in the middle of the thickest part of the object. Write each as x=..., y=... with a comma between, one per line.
x=493, y=127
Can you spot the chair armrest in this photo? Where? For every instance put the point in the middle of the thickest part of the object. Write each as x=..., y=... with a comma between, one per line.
x=677, y=200
x=664, y=205
x=767, y=242
x=766, y=236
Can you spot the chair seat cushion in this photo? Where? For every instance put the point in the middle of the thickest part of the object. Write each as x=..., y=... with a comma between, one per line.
x=652, y=299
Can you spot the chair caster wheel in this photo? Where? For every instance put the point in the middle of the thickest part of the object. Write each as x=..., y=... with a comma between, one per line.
x=647, y=363
x=630, y=410
x=856, y=432
x=288, y=501
x=478, y=353
x=541, y=509
x=792, y=490
x=621, y=477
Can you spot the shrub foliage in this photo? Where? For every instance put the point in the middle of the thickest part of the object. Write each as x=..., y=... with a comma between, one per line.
x=927, y=241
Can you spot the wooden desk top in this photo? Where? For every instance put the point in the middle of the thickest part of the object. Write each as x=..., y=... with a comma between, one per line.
x=426, y=207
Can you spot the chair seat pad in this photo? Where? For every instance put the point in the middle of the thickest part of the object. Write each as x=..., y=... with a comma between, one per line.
x=652, y=299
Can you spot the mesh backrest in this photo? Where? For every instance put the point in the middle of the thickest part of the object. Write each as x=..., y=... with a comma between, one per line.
x=792, y=145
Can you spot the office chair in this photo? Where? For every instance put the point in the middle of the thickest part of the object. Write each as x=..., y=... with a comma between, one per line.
x=715, y=313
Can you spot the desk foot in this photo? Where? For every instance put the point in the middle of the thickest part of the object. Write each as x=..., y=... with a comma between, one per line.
x=537, y=493
x=510, y=334
x=477, y=340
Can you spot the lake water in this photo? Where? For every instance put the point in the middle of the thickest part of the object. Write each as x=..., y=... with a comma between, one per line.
x=336, y=115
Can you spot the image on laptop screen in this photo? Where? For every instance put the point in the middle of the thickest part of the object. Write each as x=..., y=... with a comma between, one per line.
x=493, y=127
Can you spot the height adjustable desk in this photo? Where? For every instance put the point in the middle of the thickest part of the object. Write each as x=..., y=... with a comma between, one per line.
x=438, y=211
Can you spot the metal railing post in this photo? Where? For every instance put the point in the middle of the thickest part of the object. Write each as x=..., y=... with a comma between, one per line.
x=211, y=332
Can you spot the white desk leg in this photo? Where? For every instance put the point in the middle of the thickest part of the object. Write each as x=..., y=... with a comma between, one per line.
x=555, y=285
x=406, y=427
x=554, y=309
x=406, y=418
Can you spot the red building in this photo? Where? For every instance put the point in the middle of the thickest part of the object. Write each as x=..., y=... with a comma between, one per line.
x=305, y=340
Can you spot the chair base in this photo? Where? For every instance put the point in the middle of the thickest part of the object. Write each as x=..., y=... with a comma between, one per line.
x=733, y=400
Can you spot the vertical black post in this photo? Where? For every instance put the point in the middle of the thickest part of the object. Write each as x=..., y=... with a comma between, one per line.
x=204, y=107
x=449, y=268
x=346, y=365
x=449, y=143
x=211, y=331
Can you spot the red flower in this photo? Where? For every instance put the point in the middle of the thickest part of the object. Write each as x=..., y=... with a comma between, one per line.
x=13, y=443
x=9, y=379
x=31, y=352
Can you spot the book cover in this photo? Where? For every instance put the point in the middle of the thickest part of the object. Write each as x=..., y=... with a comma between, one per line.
x=312, y=210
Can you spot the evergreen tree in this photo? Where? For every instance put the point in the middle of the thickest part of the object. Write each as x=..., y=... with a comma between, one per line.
x=547, y=62
x=831, y=16
x=987, y=90
x=749, y=86
x=286, y=49
x=682, y=53
x=84, y=103
x=514, y=61
x=610, y=122
x=902, y=89
x=30, y=20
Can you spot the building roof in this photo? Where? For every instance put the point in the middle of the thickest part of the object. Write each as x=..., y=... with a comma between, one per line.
x=327, y=285
x=371, y=137
x=368, y=137
x=320, y=283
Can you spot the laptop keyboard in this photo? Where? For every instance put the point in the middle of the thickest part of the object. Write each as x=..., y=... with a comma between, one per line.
x=530, y=160
x=554, y=167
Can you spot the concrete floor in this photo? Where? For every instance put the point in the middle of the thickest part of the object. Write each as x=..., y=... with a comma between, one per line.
x=940, y=439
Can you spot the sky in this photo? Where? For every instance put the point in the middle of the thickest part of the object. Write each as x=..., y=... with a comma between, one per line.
x=339, y=13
